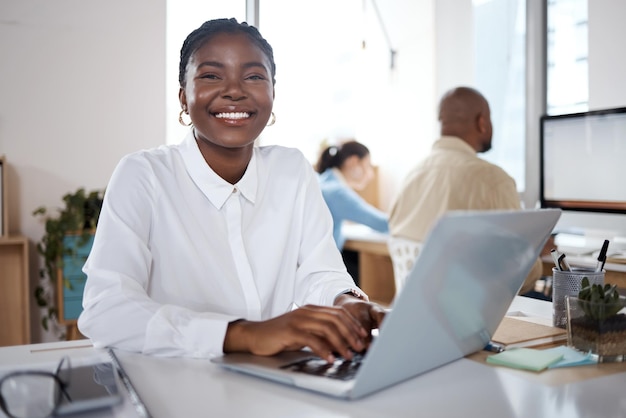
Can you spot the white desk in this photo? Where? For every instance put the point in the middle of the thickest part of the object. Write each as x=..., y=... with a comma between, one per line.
x=177, y=387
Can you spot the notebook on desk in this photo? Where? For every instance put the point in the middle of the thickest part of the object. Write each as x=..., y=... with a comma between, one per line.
x=469, y=270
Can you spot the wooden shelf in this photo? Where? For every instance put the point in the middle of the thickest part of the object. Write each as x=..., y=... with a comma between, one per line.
x=15, y=291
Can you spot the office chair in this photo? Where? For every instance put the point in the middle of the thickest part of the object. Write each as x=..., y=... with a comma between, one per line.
x=403, y=254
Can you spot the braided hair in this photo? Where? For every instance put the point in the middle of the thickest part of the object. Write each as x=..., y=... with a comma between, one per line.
x=210, y=28
x=335, y=155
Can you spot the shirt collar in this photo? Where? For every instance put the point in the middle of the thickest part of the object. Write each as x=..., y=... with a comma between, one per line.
x=455, y=143
x=215, y=188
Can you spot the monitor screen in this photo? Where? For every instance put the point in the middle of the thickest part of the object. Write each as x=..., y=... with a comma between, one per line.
x=583, y=161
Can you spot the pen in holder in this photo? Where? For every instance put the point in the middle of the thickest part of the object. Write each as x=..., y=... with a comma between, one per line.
x=568, y=283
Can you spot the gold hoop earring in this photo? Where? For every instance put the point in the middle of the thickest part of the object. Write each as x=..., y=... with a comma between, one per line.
x=181, y=121
x=272, y=120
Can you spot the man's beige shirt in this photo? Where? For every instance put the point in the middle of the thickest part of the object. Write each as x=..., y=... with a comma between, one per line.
x=452, y=177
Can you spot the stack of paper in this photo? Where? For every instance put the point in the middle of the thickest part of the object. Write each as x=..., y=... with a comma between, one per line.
x=514, y=332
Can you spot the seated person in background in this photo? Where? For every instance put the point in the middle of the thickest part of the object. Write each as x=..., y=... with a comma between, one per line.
x=453, y=177
x=343, y=170
x=215, y=245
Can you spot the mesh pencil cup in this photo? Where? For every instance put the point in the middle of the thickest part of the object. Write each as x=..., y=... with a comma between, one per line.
x=567, y=283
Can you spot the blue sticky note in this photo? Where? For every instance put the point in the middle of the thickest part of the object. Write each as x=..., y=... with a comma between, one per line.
x=525, y=358
x=571, y=357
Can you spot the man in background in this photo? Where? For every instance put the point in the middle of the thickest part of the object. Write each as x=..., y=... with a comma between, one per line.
x=453, y=177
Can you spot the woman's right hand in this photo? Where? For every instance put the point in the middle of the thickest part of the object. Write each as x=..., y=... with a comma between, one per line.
x=325, y=330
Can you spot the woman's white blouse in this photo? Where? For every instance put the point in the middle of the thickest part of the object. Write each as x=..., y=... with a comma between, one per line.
x=179, y=252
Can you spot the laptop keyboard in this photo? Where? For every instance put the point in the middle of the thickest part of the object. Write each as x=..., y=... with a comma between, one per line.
x=340, y=369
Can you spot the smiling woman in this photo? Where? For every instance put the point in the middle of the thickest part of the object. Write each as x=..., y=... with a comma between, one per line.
x=226, y=82
x=206, y=246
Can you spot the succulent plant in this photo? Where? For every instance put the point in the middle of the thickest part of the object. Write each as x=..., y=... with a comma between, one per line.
x=597, y=301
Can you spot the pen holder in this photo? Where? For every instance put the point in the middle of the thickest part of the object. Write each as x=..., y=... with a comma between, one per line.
x=567, y=283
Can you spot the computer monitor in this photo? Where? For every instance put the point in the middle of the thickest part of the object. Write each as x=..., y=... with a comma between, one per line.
x=583, y=161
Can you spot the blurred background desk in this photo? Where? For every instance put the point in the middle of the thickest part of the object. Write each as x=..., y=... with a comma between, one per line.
x=375, y=268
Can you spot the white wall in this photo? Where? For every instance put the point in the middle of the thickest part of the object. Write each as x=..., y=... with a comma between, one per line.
x=82, y=84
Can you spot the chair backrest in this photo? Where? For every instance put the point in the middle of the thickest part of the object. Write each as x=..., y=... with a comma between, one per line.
x=403, y=254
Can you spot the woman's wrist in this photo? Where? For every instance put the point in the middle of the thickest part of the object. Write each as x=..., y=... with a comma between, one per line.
x=236, y=337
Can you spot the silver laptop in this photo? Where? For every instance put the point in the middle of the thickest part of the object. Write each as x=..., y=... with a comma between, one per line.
x=470, y=268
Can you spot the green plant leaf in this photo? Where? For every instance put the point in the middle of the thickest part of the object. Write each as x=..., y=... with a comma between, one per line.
x=598, y=301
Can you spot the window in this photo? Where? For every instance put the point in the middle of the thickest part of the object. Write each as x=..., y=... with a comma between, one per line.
x=317, y=55
x=567, y=81
x=500, y=48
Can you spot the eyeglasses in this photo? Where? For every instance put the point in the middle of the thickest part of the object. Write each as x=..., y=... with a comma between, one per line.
x=35, y=393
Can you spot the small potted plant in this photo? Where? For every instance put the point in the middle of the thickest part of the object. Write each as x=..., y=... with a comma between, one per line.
x=596, y=323
x=77, y=221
